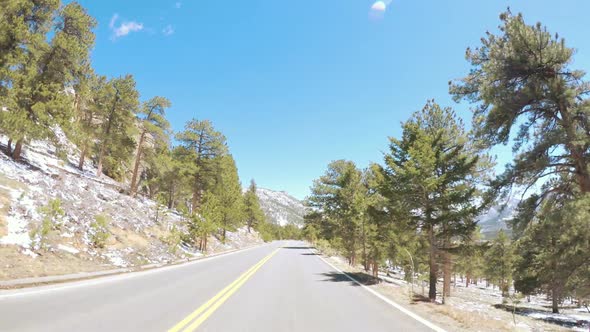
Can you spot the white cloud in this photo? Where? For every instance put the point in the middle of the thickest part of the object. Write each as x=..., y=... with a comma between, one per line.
x=177, y=5
x=168, y=30
x=113, y=20
x=124, y=28
x=127, y=27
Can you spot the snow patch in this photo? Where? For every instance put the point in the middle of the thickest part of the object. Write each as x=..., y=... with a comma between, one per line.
x=68, y=249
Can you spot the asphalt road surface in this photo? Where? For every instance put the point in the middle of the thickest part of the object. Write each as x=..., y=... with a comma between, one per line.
x=282, y=286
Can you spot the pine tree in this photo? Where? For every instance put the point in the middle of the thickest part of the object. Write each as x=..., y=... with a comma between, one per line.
x=434, y=171
x=203, y=147
x=499, y=260
x=470, y=257
x=209, y=220
x=84, y=130
x=153, y=125
x=521, y=82
x=340, y=195
x=252, y=211
x=554, y=252
x=523, y=86
x=379, y=227
x=229, y=192
x=118, y=102
x=37, y=70
x=168, y=177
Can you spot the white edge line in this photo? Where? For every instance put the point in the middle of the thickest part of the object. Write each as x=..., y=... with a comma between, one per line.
x=388, y=301
x=116, y=277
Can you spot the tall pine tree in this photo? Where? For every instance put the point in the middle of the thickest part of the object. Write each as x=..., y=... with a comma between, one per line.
x=433, y=170
x=153, y=126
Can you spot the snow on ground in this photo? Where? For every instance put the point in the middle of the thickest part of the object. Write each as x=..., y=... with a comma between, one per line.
x=137, y=226
x=17, y=221
x=116, y=259
x=83, y=196
x=481, y=299
x=68, y=249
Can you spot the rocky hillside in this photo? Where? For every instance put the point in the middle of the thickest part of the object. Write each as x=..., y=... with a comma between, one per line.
x=281, y=208
x=495, y=219
x=56, y=219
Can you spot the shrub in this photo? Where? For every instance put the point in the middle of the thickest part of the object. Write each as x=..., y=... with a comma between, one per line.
x=173, y=239
x=53, y=214
x=99, y=231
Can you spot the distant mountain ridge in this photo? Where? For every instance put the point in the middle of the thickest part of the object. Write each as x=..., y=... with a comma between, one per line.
x=495, y=219
x=281, y=208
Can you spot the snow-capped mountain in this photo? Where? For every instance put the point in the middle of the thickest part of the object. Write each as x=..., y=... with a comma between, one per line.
x=280, y=207
x=495, y=219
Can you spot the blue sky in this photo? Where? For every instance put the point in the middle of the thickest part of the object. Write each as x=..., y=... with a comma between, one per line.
x=296, y=84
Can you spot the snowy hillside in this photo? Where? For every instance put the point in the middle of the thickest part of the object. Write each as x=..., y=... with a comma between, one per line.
x=281, y=208
x=138, y=231
x=495, y=219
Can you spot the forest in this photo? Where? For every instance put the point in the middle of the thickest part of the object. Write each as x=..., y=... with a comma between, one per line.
x=47, y=83
x=418, y=208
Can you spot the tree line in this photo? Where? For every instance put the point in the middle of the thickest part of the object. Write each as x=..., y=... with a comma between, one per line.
x=47, y=82
x=418, y=209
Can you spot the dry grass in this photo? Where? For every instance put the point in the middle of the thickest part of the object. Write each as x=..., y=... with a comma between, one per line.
x=450, y=317
x=124, y=238
x=16, y=265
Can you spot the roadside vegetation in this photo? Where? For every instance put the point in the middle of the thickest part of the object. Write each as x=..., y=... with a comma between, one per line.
x=48, y=86
x=417, y=210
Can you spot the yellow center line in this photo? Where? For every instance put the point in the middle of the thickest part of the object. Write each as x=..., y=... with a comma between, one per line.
x=217, y=300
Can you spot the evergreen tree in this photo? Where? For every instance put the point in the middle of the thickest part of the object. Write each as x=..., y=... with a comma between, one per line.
x=118, y=102
x=524, y=87
x=211, y=217
x=379, y=228
x=169, y=177
x=37, y=69
x=203, y=147
x=153, y=125
x=340, y=195
x=228, y=191
x=521, y=81
x=84, y=131
x=434, y=171
x=499, y=259
x=252, y=211
x=470, y=257
x=554, y=252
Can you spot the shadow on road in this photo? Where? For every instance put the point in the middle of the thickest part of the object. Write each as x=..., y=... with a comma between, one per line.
x=309, y=254
x=297, y=248
x=363, y=278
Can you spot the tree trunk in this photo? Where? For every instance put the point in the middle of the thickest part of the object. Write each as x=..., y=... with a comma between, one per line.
x=433, y=268
x=447, y=268
x=375, y=269
x=18, y=148
x=9, y=147
x=137, y=163
x=555, y=300
x=82, y=157
x=100, y=158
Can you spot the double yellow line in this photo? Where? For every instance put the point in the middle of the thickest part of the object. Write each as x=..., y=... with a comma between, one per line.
x=203, y=312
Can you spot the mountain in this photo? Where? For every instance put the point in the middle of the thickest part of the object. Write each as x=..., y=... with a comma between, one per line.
x=495, y=219
x=280, y=207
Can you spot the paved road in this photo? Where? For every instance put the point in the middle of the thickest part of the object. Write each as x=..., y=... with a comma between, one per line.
x=282, y=286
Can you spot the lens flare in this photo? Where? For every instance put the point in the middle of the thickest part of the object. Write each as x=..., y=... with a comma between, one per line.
x=379, y=6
